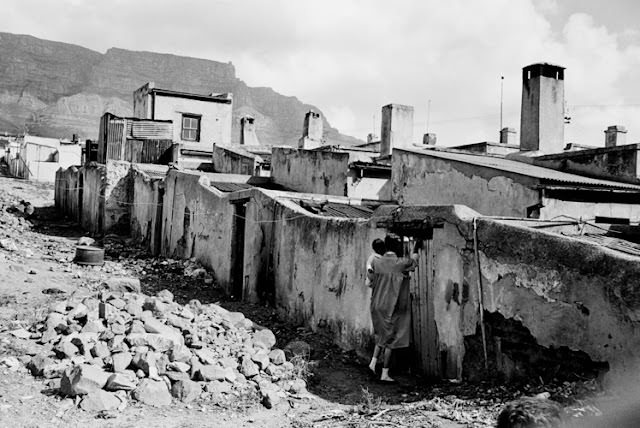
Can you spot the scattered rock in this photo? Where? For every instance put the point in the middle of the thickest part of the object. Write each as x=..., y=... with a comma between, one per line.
x=83, y=379
x=186, y=390
x=248, y=368
x=152, y=392
x=126, y=381
x=264, y=338
x=123, y=284
x=100, y=400
x=277, y=356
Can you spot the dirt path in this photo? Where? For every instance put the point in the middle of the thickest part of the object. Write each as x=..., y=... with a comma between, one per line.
x=36, y=270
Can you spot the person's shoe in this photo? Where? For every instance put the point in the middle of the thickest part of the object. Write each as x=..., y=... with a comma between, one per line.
x=372, y=367
x=385, y=376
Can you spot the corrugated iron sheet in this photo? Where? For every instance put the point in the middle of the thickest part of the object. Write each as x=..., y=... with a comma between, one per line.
x=545, y=174
x=151, y=130
x=611, y=242
x=332, y=209
x=230, y=187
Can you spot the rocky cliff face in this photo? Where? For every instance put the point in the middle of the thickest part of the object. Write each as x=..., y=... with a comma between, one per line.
x=57, y=89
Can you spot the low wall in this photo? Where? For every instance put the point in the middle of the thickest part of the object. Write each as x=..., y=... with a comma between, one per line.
x=197, y=221
x=92, y=182
x=310, y=171
x=146, y=210
x=67, y=192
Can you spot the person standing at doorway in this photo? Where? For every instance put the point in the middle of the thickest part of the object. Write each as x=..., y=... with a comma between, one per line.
x=378, y=251
x=390, y=306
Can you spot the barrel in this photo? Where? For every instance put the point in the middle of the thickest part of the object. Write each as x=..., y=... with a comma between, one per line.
x=87, y=255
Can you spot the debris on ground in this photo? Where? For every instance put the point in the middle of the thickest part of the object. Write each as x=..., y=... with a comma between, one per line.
x=119, y=346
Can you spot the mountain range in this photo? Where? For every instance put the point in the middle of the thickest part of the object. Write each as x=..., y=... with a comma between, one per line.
x=56, y=89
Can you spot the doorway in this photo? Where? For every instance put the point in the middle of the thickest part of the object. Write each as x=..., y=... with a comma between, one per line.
x=237, y=248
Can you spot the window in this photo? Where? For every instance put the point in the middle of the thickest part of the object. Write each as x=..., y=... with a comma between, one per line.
x=190, y=127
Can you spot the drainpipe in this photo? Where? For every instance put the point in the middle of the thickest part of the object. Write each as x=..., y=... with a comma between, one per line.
x=480, y=295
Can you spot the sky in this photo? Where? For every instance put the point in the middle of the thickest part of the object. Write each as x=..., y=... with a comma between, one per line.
x=351, y=57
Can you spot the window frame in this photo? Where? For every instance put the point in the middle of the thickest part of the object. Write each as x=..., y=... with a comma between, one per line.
x=198, y=119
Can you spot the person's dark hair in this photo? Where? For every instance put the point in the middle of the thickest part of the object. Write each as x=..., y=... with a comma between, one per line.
x=393, y=243
x=378, y=246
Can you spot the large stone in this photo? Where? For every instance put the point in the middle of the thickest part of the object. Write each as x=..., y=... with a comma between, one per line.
x=123, y=284
x=270, y=397
x=264, y=338
x=121, y=361
x=125, y=381
x=211, y=372
x=206, y=355
x=100, y=350
x=66, y=349
x=83, y=379
x=178, y=366
x=248, y=368
x=261, y=359
x=39, y=364
x=180, y=353
x=134, y=309
x=153, y=340
x=152, y=325
x=99, y=401
x=153, y=393
x=176, y=376
x=56, y=321
x=93, y=326
x=186, y=390
x=277, y=356
x=165, y=296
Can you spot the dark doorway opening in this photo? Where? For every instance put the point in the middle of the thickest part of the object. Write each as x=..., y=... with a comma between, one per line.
x=237, y=249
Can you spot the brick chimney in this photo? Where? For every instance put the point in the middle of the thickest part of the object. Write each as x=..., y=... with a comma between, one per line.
x=396, y=128
x=615, y=135
x=248, y=135
x=429, y=139
x=542, y=115
x=311, y=131
x=508, y=136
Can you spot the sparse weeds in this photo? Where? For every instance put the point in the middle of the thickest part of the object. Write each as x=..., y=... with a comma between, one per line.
x=301, y=367
x=369, y=403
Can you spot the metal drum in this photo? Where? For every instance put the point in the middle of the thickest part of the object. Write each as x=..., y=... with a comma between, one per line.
x=87, y=255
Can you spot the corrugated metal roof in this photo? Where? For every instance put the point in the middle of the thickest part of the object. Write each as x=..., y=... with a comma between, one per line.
x=332, y=209
x=152, y=130
x=230, y=187
x=153, y=170
x=545, y=174
x=611, y=243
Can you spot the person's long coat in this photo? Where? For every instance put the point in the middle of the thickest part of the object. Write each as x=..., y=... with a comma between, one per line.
x=390, y=306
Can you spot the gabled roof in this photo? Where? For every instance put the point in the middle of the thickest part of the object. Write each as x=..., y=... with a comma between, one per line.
x=546, y=175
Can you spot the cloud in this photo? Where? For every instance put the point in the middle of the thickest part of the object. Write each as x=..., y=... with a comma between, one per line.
x=352, y=57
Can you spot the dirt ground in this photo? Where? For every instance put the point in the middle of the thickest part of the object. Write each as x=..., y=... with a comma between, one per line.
x=341, y=391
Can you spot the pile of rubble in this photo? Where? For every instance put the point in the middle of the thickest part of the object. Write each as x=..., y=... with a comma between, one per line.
x=119, y=346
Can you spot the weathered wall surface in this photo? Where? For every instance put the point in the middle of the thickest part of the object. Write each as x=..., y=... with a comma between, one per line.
x=423, y=180
x=197, y=221
x=215, y=125
x=310, y=171
x=227, y=162
x=615, y=163
x=146, y=211
x=319, y=272
x=565, y=292
x=369, y=188
x=93, y=182
x=67, y=192
x=555, y=208
x=118, y=197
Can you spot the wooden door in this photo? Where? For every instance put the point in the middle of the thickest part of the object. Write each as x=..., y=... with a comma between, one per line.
x=425, y=334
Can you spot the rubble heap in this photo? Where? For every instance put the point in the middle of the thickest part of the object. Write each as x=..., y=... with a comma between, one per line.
x=120, y=346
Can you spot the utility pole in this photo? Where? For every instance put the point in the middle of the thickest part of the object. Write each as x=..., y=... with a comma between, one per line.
x=501, y=95
x=428, y=114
